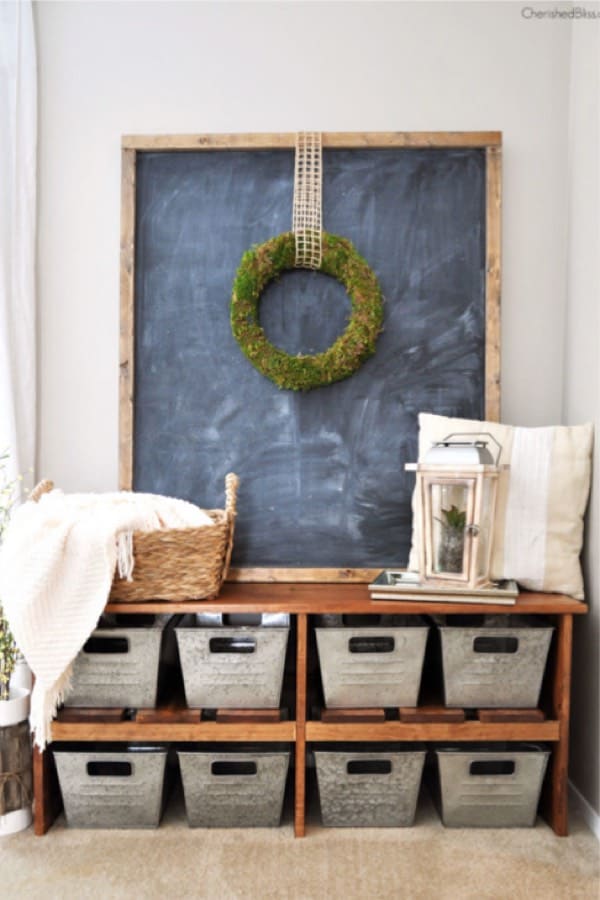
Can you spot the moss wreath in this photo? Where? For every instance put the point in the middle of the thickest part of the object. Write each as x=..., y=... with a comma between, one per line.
x=267, y=261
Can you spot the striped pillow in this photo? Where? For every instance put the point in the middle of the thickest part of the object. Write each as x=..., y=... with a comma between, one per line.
x=541, y=500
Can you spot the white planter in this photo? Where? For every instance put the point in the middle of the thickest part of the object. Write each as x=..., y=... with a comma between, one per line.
x=15, y=821
x=21, y=677
x=16, y=708
x=13, y=711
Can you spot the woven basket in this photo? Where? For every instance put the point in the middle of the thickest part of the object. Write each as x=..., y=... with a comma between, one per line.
x=178, y=563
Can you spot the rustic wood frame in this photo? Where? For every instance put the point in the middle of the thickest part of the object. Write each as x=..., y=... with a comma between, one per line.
x=490, y=141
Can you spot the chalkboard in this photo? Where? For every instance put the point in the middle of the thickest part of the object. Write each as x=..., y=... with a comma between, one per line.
x=322, y=473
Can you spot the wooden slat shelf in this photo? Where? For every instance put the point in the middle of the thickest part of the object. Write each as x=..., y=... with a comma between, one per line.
x=173, y=731
x=511, y=715
x=429, y=714
x=352, y=716
x=303, y=599
x=434, y=731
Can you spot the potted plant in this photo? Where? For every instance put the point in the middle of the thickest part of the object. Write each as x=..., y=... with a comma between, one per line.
x=8, y=657
x=15, y=740
x=452, y=539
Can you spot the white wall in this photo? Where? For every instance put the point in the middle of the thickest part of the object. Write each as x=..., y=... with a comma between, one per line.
x=582, y=384
x=112, y=68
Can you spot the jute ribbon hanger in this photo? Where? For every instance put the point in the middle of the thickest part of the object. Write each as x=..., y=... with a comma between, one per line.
x=307, y=222
x=307, y=246
x=18, y=775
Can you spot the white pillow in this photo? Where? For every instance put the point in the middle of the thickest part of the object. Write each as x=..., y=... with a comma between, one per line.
x=541, y=500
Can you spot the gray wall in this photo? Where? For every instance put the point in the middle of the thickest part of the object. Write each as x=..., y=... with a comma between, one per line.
x=581, y=396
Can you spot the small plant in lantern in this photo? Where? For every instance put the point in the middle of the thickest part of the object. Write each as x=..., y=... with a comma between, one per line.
x=452, y=540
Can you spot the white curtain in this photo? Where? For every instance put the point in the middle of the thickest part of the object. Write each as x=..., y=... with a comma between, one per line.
x=18, y=140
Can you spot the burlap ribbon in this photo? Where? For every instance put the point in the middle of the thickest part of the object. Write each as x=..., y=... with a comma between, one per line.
x=18, y=776
x=307, y=222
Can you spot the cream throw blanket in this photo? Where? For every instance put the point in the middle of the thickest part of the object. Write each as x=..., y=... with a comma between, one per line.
x=57, y=564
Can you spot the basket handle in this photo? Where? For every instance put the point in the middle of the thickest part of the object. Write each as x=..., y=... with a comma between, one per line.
x=231, y=488
x=371, y=644
x=43, y=487
x=474, y=434
x=368, y=766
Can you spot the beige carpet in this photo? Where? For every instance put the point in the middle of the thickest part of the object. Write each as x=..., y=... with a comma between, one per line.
x=425, y=861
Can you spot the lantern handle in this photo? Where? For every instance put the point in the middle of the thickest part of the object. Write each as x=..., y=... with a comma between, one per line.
x=475, y=434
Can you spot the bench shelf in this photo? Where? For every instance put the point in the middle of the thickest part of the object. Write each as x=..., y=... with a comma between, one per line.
x=303, y=600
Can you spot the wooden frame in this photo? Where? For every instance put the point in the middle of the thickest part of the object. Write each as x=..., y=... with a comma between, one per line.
x=490, y=141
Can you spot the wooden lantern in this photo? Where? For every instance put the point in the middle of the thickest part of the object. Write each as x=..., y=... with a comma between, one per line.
x=457, y=483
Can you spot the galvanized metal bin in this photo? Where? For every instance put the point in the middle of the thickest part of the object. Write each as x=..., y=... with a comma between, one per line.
x=233, y=787
x=118, y=665
x=369, y=788
x=497, y=661
x=379, y=665
x=497, y=786
x=112, y=787
x=229, y=664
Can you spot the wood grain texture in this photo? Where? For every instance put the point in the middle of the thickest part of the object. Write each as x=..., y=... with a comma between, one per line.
x=174, y=731
x=493, y=284
x=16, y=783
x=430, y=714
x=346, y=598
x=47, y=798
x=435, y=731
x=248, y=715
x=89, y=714
x=299, y=576
x=511, y=715
x=287, y=141
x=127, y=325
x=348, y=716
x=300, y=750
x=561, y=699
x=168, y=715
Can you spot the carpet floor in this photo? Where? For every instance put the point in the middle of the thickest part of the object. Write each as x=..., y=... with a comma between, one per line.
x=424, y=861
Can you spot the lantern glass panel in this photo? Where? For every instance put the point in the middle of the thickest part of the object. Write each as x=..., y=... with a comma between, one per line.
x=485, y=527
x=449, y=511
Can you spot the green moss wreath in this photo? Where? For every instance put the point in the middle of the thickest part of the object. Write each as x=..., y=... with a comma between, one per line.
x=267, y=261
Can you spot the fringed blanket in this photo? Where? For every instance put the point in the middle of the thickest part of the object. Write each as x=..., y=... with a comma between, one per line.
x=57, y=564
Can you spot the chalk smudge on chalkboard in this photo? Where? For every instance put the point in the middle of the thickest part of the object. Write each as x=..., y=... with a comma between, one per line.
x=322, y=473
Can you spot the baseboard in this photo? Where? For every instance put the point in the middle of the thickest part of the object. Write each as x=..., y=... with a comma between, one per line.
x=588, y=814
